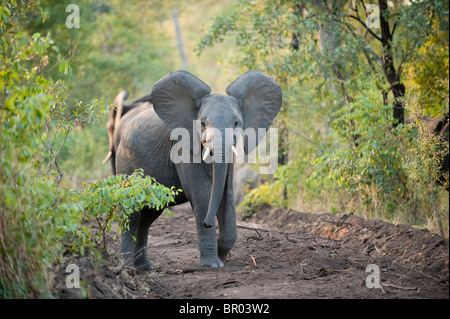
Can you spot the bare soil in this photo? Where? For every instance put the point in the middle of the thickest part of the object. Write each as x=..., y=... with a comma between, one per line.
x=280, y=253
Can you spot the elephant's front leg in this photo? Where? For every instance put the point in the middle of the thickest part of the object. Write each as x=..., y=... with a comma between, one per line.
x=207, y=240
x=226, y=217
x=227, y=230
x=196, y=182
x=207, y=237
x=213, y=251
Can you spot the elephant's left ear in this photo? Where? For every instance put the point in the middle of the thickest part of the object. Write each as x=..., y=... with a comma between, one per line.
x=261, y=101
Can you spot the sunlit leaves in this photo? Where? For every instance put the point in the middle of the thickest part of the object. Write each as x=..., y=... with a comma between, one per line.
x=116, y=197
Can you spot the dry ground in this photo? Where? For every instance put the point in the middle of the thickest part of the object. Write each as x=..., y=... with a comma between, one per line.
x=279, y=254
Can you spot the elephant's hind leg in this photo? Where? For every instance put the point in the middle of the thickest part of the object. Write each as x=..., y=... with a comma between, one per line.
x=134, y=250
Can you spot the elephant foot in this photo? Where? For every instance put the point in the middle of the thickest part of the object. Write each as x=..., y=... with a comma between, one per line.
x=211, y=262
x=140, y=262
x=143, y=264
x=223, y=256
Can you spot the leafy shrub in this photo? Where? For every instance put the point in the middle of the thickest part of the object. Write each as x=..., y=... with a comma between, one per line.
x=267, y=193
x=115, y=197
x=427, y=199
x=31, y=217
x=37, y=214
x=365, y=160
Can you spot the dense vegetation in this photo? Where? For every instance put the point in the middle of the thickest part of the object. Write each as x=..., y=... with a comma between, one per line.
x=355, y=102
x=353, y=122
x=46, y=134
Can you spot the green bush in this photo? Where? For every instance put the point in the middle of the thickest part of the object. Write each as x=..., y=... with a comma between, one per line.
x=38, y=214
x=426, y=201
x=267, y=193
x=29, y=211
x=115, y=197
x=365, y=160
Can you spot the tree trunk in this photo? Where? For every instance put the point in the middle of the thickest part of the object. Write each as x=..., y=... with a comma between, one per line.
x=392, y=76
x=176, y=24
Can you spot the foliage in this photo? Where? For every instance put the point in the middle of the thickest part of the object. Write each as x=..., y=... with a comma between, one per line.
x=314, y=38
x=115, y=197
x=428, y=75
x=116, y=47
x=37, y=214
x=270, y=193
x=336, y=73
x=369, y=165
x=426, y=199
x=30, y=218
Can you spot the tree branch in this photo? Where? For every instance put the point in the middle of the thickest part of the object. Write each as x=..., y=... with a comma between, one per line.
x=365, y=26
x=393, y=28
x=364, y=5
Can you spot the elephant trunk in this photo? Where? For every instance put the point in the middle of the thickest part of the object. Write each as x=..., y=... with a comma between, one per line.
x=218, y=183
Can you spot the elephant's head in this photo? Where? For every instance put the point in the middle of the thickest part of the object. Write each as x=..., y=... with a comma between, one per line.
x=253, y=101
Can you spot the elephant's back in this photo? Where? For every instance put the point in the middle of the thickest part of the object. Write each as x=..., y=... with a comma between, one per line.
x=125, y=120
x=146, y=144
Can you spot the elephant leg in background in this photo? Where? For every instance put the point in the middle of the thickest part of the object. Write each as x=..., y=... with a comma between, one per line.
x=196, y=181
x=135, y=251
x=226, y=216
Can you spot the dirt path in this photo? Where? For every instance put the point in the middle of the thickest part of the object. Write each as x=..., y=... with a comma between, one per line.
x=282, y=254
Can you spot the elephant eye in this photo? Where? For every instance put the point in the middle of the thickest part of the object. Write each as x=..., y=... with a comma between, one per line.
x=236, y=123
x=202, y=123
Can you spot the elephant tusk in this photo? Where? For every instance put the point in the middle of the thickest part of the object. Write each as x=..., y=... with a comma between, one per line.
x=205, y=155
x=108, y=156
x=233, y=148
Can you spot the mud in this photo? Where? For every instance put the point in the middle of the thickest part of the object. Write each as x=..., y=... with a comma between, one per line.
x=279, y=254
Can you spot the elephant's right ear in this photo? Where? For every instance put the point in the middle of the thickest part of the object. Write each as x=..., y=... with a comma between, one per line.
x=175, y=99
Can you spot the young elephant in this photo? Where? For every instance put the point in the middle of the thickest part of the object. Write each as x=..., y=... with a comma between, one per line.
x=181, y=100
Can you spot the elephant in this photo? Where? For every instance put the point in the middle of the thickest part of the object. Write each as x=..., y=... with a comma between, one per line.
x=117, y=116
x=146, y=139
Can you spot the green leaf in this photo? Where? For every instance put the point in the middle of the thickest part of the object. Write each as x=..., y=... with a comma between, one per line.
x=63, y=66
